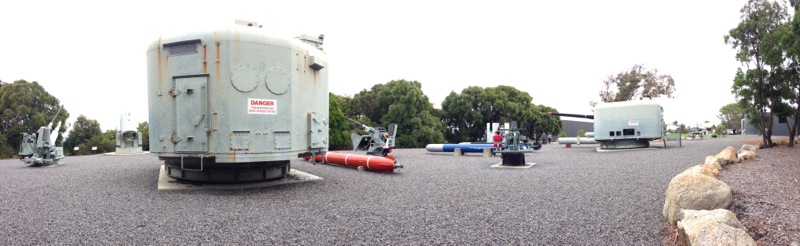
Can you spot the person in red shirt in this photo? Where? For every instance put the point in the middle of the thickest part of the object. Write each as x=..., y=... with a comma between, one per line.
x=498, y=140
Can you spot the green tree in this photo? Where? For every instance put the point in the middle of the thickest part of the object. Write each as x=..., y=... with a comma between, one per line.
x=81, y=133
x=465, y=115
x=144, y=128
x=24, y=108
x=338, y=132
x=410, y=109
x=344, y=104
x=5, y=150
x=750, y=38
x=540, y=121
x=637, y=82
x=731, y=115
x=781, y=48
x=367, y=103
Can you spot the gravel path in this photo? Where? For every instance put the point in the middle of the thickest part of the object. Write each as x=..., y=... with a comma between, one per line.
x=571, y=196
x=766, y=194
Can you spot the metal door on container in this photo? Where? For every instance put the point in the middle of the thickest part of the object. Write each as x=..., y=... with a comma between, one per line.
x=191, y=106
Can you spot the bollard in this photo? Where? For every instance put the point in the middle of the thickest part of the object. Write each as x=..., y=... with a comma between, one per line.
x=569, y=145
x=487, y=152
x=457, y=152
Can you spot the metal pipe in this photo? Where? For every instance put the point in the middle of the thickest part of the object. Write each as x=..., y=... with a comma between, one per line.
x=576, y=140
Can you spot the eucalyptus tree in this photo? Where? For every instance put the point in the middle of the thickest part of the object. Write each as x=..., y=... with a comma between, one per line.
x=731, y=115
x=636, y=83
x=752, y=42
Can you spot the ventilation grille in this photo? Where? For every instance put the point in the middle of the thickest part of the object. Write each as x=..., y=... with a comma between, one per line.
x=182, y=49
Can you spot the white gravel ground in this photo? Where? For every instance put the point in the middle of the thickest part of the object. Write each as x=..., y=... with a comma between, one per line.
x=571, y=196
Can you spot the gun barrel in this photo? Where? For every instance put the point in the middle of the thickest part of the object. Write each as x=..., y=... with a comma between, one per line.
x=352, y=120
x=54, y=117
x=587, y=116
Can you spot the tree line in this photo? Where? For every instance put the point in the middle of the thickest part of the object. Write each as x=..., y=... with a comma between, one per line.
x=462, y=117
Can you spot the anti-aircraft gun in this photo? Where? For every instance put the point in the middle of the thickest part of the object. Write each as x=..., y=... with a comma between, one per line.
x=38, y=149
x=512, y=150
x=374, y=139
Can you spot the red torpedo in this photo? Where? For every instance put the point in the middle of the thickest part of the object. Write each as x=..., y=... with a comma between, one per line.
x=372, y=163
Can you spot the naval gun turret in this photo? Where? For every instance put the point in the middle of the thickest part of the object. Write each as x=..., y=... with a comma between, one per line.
x=129, y=140
x=38, y=149
x=236, y=103
x=622, y=125
x=374, y=140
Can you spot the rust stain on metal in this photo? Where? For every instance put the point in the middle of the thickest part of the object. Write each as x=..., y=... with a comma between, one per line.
x=217, y=65
x=205, y=60
x=160, y=71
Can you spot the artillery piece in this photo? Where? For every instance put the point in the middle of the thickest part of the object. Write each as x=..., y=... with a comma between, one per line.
x=512, y=150
x=38, y=149
x=622, y=125
x=374, y=140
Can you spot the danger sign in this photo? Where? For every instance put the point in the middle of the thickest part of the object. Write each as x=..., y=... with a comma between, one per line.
x=633, y=122
x=261, y=106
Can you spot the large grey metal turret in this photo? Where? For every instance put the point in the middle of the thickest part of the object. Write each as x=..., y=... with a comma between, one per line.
x=235, y=104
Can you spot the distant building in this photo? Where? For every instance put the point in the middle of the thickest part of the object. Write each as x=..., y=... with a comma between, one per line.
x=779, y=127
x=571, y=127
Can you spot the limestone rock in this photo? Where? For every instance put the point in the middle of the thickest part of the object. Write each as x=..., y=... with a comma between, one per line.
x=716, y=161
x=729, y=155
x=698, y=189
x=748, y=147
x=713, y=227
x=747, y=154
x=702, y=169
x=711, y=168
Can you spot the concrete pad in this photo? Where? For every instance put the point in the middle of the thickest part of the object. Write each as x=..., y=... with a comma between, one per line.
x=124, y=154
x=165, y=182
x=620, y=150
x=500, y=165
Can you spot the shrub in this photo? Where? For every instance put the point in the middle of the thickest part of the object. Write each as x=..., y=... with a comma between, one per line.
x=713, y=135
x=581, y=133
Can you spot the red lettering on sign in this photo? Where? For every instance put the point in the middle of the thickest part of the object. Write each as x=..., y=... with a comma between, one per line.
x=262, y=103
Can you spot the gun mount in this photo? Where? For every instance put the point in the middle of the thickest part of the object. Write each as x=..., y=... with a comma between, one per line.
x=129, y=140
x=38, y=149
x=622, y=125
x=374, y=141
x=513, y=150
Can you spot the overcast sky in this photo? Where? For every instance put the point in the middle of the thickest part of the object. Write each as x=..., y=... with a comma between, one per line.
x=92, y=55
